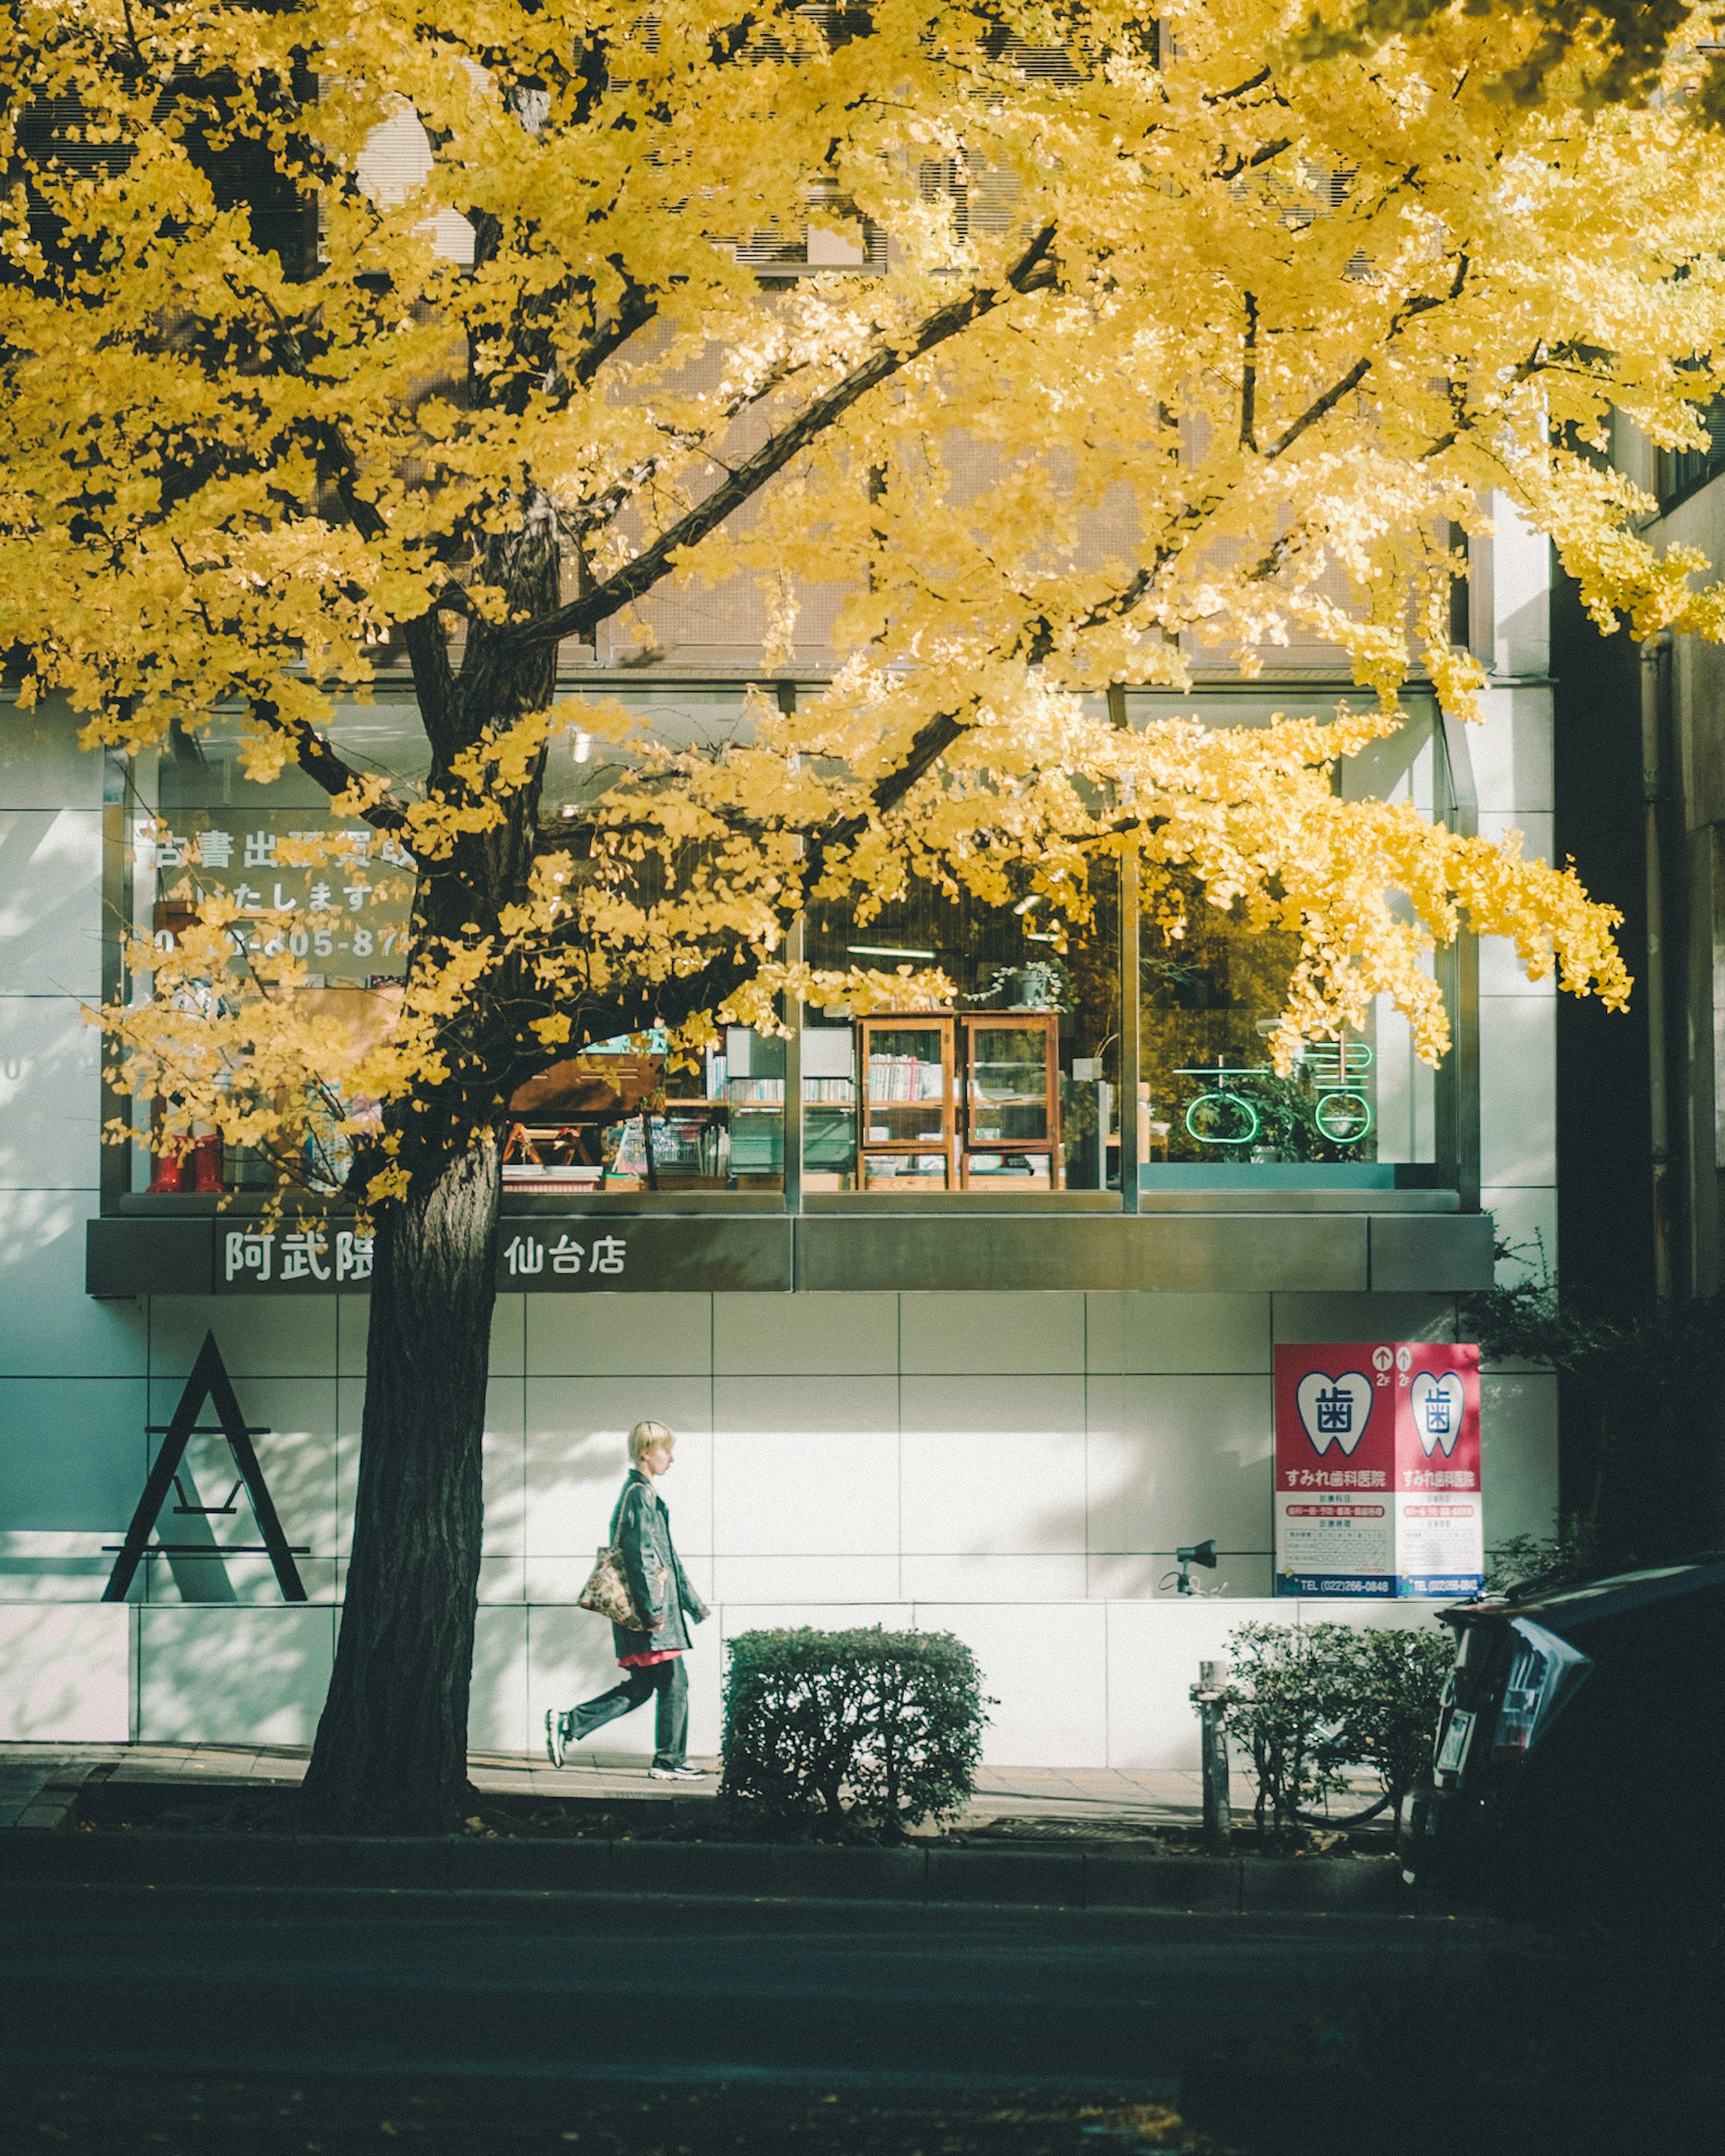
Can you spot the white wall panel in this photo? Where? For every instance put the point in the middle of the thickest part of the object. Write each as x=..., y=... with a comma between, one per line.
x=74, y=1452
x=1518, y=1050
x=1511, y=752
x=1153, y=1651
x=833, y=1580
x=50, y=902
x=1179, y=1460
x=597, y=1336
x=497, y=1715
x=989, y=1333
x=1152, y=1575
x=993, y=1464
x=821, y=1335
x=1137, y=1332
x=65, y=1674
x=226, y=1675
x=50, y=1064
x=577, y=1455
x=1046, y=1665
x=49, y=1326
x=505, y=1468
x=46, y=1565
x=805, y=1467
x=266, y=1336
x=995, y=1578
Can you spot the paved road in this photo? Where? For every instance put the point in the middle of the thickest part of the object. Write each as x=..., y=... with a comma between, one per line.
x=691, y=1990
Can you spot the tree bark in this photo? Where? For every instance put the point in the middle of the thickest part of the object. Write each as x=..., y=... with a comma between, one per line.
x=391, y=1756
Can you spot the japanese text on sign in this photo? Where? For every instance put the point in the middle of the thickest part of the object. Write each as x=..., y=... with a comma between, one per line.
x=526, y=1255
x=249, y=1255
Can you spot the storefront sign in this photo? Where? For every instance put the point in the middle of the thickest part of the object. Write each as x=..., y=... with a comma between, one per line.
x=1377, y=1469
x=563, y=1254
x=608, y=1255
x=309, y=1259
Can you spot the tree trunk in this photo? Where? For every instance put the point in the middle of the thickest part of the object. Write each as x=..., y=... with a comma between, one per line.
x=391, y=1756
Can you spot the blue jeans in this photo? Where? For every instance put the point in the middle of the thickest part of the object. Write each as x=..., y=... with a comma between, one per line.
x=670, y=1733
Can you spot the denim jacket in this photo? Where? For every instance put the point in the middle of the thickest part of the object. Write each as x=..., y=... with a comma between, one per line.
x=658, y=1585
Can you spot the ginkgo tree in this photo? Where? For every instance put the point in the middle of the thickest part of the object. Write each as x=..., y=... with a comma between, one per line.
x=1297, y=307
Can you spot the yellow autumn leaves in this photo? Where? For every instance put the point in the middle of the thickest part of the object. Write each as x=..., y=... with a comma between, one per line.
x=1240, y=336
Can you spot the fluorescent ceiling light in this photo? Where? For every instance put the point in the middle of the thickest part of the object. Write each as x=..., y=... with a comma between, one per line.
x=884, y=950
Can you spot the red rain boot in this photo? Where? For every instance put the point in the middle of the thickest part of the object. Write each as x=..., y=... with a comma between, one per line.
x=206, y=1164
x=170, y=1176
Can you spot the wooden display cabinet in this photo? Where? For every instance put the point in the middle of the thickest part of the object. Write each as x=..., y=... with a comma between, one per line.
x=945, y=1102
x=907, y=1119
x=1010, y=1118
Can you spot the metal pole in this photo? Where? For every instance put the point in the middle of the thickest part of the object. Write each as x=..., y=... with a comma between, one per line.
x=1207, y=1695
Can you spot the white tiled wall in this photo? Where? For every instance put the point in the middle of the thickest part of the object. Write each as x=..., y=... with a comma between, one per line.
x=1032, y=1511
x=1512, y=755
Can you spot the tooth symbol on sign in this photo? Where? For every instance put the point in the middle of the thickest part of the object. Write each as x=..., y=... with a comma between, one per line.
x=1334, y=1409
x=1438, y=1403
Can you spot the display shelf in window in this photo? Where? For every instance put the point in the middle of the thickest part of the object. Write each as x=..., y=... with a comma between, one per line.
x=1011, y=1107
x=907, y=1137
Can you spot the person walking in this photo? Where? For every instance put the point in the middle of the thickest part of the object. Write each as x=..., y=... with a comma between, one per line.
x=666, y=1603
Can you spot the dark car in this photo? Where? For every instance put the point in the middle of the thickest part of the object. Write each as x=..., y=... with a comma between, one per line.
x=1579, y=1760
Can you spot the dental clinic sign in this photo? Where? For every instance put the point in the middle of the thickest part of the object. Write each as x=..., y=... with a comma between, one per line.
x=1377, y=1469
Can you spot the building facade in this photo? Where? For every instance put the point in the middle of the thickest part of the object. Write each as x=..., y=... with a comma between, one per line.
x=979, y=1360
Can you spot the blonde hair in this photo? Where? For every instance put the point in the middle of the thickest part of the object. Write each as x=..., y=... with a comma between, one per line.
x=644, y=1437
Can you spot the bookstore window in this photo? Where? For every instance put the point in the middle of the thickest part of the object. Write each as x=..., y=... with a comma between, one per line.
x=625, y=1118
x=198, y=828
x=1010, y=1087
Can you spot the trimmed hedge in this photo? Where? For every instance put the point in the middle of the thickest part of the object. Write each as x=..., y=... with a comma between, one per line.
x=863, y=1733
x=1310, y=1700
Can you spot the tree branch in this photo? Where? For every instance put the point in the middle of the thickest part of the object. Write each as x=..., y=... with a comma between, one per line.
x=1034, y=271
x=1321, y=406
x=321, y=762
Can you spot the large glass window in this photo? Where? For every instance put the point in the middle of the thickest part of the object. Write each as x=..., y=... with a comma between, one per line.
x=1010, y=1087
x=1013, y=1085
x=198, y=828
x=1212, y=1113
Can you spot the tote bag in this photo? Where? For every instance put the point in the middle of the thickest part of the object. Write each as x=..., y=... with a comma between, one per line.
x=606, y=1593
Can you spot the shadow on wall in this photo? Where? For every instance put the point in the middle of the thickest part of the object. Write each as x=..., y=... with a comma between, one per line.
x=48, y=1097
x=234, y=1675
x=65, y=1674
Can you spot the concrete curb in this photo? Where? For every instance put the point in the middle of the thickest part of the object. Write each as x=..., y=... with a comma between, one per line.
x=1061, y=1879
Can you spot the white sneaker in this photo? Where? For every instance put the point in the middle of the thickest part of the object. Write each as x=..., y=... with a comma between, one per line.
x=676, y=1774
x=554, y=1738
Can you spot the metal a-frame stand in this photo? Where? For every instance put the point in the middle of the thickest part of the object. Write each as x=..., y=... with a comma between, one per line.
x=208, y=1381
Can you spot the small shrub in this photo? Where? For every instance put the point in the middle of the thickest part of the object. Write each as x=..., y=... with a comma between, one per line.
x=863, y=1733
x=1392, y=1683
x=1283, y=1704
x=1311, y=1701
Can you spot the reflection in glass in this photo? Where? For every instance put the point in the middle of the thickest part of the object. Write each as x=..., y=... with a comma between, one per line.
x=1211, y=1104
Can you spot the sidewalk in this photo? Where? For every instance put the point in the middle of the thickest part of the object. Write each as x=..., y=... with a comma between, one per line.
x=38, y=1783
